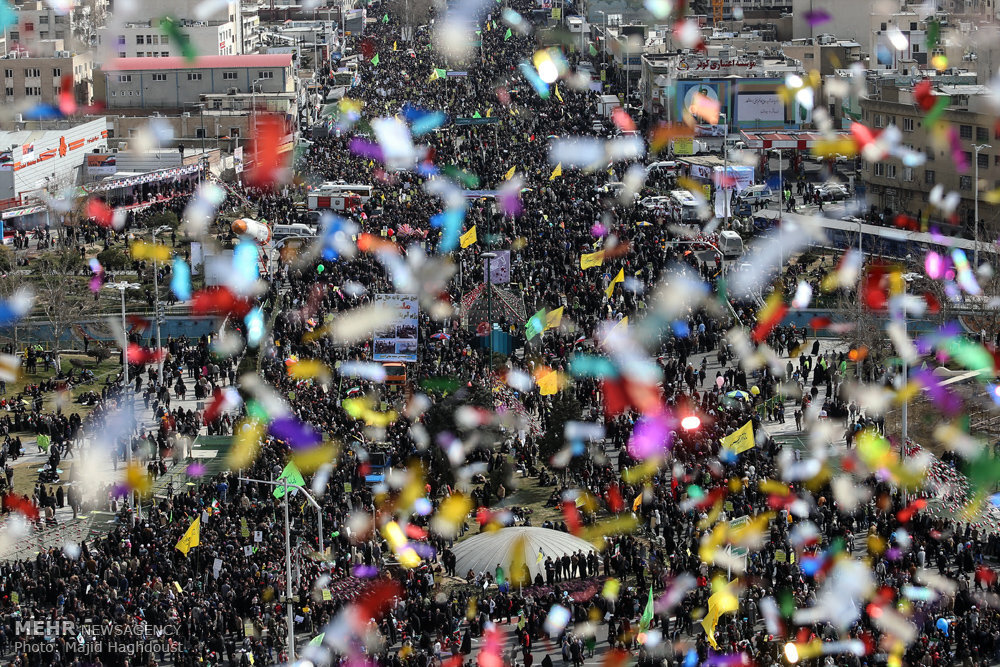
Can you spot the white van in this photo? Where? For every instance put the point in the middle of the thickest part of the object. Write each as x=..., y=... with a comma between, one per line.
x=685, y=205
x=333, y=189
x=662, y=167
x=731, y=244
x=295, y=229
x=756, y=193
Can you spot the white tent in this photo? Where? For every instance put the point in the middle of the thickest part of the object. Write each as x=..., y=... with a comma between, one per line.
x=483, y=552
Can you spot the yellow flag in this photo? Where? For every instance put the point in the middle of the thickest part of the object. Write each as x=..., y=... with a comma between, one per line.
x=557, y=172
x=489, y=112
x=468, y=238
x=554, y=318
x=548, y=382
x=510, y=174
x=394, y=46
x=593, y=259
x=434, y=75
x=191, y=537
x=722, y=602
x=741, y=439
x=637, y=503
x=558, y=94
x=620, y=278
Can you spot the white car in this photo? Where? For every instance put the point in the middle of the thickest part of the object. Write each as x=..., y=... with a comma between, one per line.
x=655, y=202
x=833, y=191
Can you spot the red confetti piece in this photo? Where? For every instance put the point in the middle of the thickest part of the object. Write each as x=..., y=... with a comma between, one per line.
x=100, y=212
x=67, y=99
x=765, y=326
x=22, y=505
x=615, y=503
x=622, y=120
x=143, y=355
x=905, y=514
x=985, y=575
x=415, y=532
x=572, y=516
x=215, y=408
x=375, y=600
x=219, y=301
x=862, y=134
x=820, y=322
x=923, y=95
x=269, y=162
x=906, y=222
x=933, y=305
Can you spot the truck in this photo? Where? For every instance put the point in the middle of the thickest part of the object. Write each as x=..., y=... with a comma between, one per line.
x=606, y=105
x=321, y=200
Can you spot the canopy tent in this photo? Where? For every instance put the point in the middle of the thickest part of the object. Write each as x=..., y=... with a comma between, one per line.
x=483, y=552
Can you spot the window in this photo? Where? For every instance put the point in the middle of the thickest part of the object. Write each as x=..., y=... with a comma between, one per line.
x=139, y=39
x=890, y=170
x=164, y=54
x=121, y=54
x=56, y=71
x=908, y=174
x=915, y=48
x=907, y=125
x=124, y=78
x=965, y=131
x=982, y=134
x=880, y=169
x=877, y=120
x=929, y=176
x=43, y=34
x=234, y=131
x=882, y=27
x=964, y=182
x=159, y=77
x=9, y=73
x=121, y=40
x=32, y=91
x=149, y=39
x=153, y=39
x=34, y=72
x=194, y=76
x=983, y=160
x=9, y=91
x=229, y=76
x=60, y=18
x=968, y=157
x=15, y=35
x=265, y=75
x=60, y=34
x=164, y=39
x=29, y=27
x=199, y=133
x=43, y=19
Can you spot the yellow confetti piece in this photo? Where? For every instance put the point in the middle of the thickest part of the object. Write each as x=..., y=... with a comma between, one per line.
x=309, y=461
x=137, y=479
x=155, y=251
x=641, y=472
x=307, y=369
x=773, y=487
x=611, y=588
x=618, y=526
x=833, y=147
x=246, y=444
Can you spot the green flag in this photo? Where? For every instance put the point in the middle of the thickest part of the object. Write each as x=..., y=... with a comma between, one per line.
x=476, y=115
x=647, y=613
x=593, y=51
x=507, y=35
x=291, y=475
x=535, y=324
x=442, y=73
x=375, y=60
x=385, y=18
x=500, y=577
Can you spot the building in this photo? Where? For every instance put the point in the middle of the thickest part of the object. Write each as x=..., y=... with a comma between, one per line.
x=35, y=162
x=849, y=19
x=31, y=80
x=892, y=186
x=36, y=21
x=175, y=83
x=825, y=53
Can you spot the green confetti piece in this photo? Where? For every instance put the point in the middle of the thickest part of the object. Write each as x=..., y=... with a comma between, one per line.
x=934, y=114
x=466, y=178
x=442, y=384
x=172, y=30
x=933, y=34
x=256, y=411
x=694, y=491
x=973, y=356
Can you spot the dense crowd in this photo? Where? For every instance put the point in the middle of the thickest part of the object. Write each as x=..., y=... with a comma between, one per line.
x=221, y=603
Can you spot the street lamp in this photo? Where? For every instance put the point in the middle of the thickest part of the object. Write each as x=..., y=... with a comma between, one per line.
x=156, y=303
x=122, y=286
x=604, y=36
x=975, y=213
x=288, y=552
x=489, y=256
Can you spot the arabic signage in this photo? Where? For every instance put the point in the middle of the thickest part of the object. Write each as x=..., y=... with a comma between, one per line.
x=711, y=64
x=398, y=340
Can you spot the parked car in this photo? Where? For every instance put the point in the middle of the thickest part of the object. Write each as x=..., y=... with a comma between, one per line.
x=756, y=193
x=833, y=192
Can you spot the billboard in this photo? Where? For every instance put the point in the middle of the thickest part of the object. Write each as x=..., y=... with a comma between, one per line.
x=398, y=340
x=499, y=268
x=767, y=107
x=102, y=164
x=747, y=103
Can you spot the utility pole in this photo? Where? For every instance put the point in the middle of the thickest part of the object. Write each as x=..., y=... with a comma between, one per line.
x=126, y=392
x=975, y=260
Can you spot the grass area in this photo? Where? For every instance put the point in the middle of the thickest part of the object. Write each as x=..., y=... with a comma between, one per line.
x=52, y=399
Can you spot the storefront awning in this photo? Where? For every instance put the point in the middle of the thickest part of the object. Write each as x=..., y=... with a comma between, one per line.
x=142, y=179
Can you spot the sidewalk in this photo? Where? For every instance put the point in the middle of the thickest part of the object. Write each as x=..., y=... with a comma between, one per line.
x=94, y=522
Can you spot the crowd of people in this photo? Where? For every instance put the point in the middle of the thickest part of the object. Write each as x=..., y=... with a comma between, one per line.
x=223, y=601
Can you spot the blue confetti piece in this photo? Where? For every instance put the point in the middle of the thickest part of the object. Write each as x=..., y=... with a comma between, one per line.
x=245, y=271
x=583, y=365
x=254, y=322
x=680, y=328
x=7, y=15
x=691, y=658
x=180, y=281
x=450, y=222
x=536, y=82
x=40, y=111
x=428, y=122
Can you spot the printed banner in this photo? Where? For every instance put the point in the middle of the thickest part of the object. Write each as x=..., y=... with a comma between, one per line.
x=499, y=268
x=398, y=340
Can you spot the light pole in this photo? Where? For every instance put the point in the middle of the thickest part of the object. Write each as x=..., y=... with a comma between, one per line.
x=290, y=621
x=781, y=181
x=725, y=172
x=156, y=302
x=122, y=286
x=975, y=259
x=489, y=256
x=907, y=278
x=604, y=36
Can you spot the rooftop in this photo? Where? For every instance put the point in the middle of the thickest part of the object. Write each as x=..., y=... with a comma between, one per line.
x=201, y=62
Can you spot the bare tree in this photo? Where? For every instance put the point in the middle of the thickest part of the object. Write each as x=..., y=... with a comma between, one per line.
x=61, y=293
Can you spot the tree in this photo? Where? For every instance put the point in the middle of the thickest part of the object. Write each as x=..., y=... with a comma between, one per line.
x=114, y=259
x=12, y=281
x=61, y=293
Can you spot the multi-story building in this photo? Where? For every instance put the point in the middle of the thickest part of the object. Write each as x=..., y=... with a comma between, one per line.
x=147, y=40
x=29, y=80
x=825, y=53
x=898, y=188
x=37, y=20
x=175, y=83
